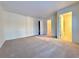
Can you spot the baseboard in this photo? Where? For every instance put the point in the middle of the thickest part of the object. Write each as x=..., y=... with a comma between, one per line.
x=1, y=44
x=21, y=37
x=15, y=38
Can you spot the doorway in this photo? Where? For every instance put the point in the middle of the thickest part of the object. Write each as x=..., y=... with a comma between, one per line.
x=49, y=27
x=66, y=26
x=38, y=27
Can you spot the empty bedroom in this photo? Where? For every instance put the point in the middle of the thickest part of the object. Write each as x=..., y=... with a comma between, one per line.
x=39, y=29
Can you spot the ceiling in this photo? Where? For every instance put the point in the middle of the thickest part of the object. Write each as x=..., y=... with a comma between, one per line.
x=35, y=8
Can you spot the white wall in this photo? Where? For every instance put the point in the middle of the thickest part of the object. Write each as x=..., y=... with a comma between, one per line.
x=14, y=26
x=17, y=26
x=35, y=26
x=75, y=21
x=2, y=39
x=43, y=27
x=31, y=26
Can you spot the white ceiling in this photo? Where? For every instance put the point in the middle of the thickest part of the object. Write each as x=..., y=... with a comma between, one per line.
x=35, y=8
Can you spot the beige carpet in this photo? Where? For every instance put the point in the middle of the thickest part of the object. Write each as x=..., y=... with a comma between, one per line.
x=38, y=47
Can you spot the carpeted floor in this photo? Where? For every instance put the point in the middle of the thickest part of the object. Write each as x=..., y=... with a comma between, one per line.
x=39, y=47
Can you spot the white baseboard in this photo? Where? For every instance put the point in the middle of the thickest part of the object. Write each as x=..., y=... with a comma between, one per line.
x=20, y=37
x=1, y=44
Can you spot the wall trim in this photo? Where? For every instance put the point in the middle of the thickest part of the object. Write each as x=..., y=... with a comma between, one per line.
x=22, y=37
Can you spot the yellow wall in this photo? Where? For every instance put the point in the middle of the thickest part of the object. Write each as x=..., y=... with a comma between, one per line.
x=49, y=29
x=66, y=26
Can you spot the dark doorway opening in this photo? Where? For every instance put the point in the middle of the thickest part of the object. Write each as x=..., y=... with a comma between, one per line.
x=38, y=27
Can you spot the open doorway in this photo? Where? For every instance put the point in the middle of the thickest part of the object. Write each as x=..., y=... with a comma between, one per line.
x=49, y=27
x=66, y=26
x=38, y=27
